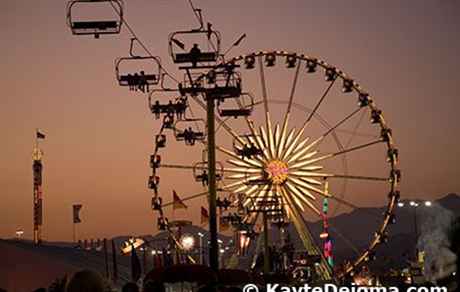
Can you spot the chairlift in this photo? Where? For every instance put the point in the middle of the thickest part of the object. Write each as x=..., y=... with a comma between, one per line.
x=156, y=203
x=95, y=27
x=160, y=141
x=224, y=83
x=187, y=134
x=194, y=55
x=249, y=149
x=177, y=107
x=144, y=78
x=247, y=106
x=155, y=161
x=153, y=182
x=200, y=172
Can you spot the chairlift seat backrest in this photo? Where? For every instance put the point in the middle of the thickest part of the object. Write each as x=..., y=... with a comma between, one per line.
x=96, y=25
x=224, y=92
x=190, y=58
x=235, y=113
x=150, y=79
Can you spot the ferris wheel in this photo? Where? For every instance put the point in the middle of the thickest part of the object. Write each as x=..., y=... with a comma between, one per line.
x=287, y=156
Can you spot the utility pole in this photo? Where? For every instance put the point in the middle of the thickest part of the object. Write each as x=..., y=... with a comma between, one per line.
x=214, y=250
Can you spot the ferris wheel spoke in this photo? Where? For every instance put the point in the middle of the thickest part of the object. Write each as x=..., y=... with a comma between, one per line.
x=276, y=139
x=372, y=178
x=358, y=147
x=318, y=104
x=302, y=152
x=341, y=122
x=298, y=194
x=281, y=143
x=293, y=144
x=300, y=165
x=241, y=170
x=287, y=141
x=298, y=182
x=355, y=129
x=344, y=238
x=265, y=138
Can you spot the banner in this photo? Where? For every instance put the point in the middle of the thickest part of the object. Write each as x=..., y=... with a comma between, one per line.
x=204, y=215
x=177, y=202
x=76, y=213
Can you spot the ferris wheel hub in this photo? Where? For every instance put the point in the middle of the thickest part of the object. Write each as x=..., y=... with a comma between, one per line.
x=277, y=171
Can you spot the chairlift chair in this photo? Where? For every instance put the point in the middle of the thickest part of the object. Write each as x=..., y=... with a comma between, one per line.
x=200, y=171
x=249, y=149
x=95, y=27
x=187, y=134
x=160, y=141
x=178, y=107
x=194, y=54
x=247, y=102
x=225, y=84
x=142, y=79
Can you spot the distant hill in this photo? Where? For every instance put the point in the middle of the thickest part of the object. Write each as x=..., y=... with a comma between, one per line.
x=352, y=231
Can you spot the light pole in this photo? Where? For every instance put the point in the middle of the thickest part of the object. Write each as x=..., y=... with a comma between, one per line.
x=201, y=249
x=415, y=204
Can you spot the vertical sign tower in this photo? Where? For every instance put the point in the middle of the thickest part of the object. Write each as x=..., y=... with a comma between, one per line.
x=37, y=168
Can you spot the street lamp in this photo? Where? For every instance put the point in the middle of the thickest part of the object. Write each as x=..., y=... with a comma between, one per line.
x=414, y=204
x=187, y=241
x=201, y=249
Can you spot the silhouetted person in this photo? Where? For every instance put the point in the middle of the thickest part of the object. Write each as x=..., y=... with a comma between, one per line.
x=130, y=287
x=189, y=136
x=142, y=82
x=135, y=81
x=195, y=53
x=156, y=109
x=86, y=281
x=129, y=78
x=181, y=105
x=204, y=178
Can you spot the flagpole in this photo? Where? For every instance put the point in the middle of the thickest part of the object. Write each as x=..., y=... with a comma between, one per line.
x=74, y=232
x=36, y=138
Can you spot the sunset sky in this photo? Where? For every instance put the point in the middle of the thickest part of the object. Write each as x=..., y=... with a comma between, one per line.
x=99, y=136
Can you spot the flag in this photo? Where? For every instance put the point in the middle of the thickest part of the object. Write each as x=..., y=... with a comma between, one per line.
x=204, y=215
x=40, y=135
x=177, y=202
x=76, y=213
x=135, y=265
